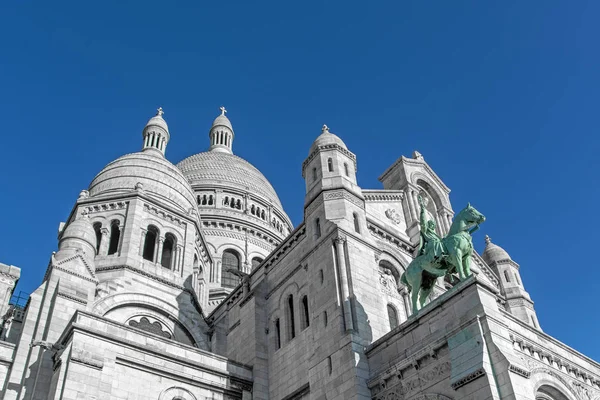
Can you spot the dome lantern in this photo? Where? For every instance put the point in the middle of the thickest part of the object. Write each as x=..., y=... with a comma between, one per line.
x=156, y=134
x=221, y=134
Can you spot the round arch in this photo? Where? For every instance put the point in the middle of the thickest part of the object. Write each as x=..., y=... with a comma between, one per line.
x=437, y=194
x=189, y=323
x=176, y=392
x=550, y=385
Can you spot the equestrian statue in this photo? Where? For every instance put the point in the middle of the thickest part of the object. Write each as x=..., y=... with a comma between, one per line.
x=438, y=256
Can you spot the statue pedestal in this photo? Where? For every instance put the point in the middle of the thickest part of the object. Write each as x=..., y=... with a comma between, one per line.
x=456, y=347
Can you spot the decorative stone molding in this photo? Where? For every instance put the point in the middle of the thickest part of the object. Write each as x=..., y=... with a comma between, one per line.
x=395, y=386
x=240, y=237
x=155, y=327
x=519, y=371
x=164, y=215
x=343, y=194
x=386, y=196
x=469, y=378
x=72, y=298
x=545, y=359
x=116, y=205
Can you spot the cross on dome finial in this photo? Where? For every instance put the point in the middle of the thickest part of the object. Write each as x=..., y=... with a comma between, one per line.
x=223, y=110
x=488, y=239
x=160, y=112
x=325, y=129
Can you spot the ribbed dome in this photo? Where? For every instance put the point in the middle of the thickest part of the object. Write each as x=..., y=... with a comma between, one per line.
x=223, y=169
x=223, y=121
x=157, y=176
x=158, y=120
x=493, y=253
x=326, y=138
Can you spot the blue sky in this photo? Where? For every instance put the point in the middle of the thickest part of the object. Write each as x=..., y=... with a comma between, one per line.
x=500, y=97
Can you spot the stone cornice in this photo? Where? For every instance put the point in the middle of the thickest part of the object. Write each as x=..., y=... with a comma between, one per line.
x=383, y=195
x=548, y=358
x=333, y=146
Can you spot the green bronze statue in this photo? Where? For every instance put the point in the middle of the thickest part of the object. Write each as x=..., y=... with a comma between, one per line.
x=438, y=257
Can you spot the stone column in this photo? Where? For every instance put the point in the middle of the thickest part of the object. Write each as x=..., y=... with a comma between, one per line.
x=341, y=260
x=411, y=211
x=158, y=250
x=143, y=241
x=104, y=242
x=448, y=219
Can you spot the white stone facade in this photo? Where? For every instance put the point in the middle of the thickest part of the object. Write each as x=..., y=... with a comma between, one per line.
x=188, y=281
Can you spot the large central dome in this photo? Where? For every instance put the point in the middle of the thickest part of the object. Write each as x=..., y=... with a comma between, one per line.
x=220, y=169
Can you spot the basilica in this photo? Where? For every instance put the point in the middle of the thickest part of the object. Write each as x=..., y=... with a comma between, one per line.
x=188, y=281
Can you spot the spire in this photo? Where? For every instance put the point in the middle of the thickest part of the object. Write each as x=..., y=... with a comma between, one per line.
x=156, y=134
x=324, y=129
x=488, y=240
x=221, y=133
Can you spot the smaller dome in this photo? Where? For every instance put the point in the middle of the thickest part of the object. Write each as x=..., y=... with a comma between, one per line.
x=222, y=120
x=158, y=120
x=80, y=229
x=326, y=138
x=493, y=253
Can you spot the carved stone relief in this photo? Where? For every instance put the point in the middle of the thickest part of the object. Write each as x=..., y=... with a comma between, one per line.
x=393, y=214
x=397, y=387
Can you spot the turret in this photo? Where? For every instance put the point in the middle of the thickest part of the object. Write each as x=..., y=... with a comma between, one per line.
x=221, y=134
x=518, y=301
x=156, y=134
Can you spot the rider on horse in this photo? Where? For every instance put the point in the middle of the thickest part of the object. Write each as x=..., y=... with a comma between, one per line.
x=431, y=249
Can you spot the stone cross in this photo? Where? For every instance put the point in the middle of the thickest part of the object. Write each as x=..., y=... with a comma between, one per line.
x=325, y=129
x=223, y=110
x=160, y=112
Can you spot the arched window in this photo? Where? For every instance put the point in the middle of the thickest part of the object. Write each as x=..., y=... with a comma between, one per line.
x=517, y=279
x=290, y=318
x=252, y=210
x=238, y=205
x=325, y=318
x=346, y=169
x=314, y=174
x=318, y=228
x=97, y=227
x=115, y=235
x=230, y=262
x=392, y=316
x=150, y=243
x=305, y=317
x=330, y=165
x=506, y=276
x=277, y=334
x=356, y=223
x=256, y=262
x=547, y=392
x=210, y=200
x=168, y=250
x=329, y=365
